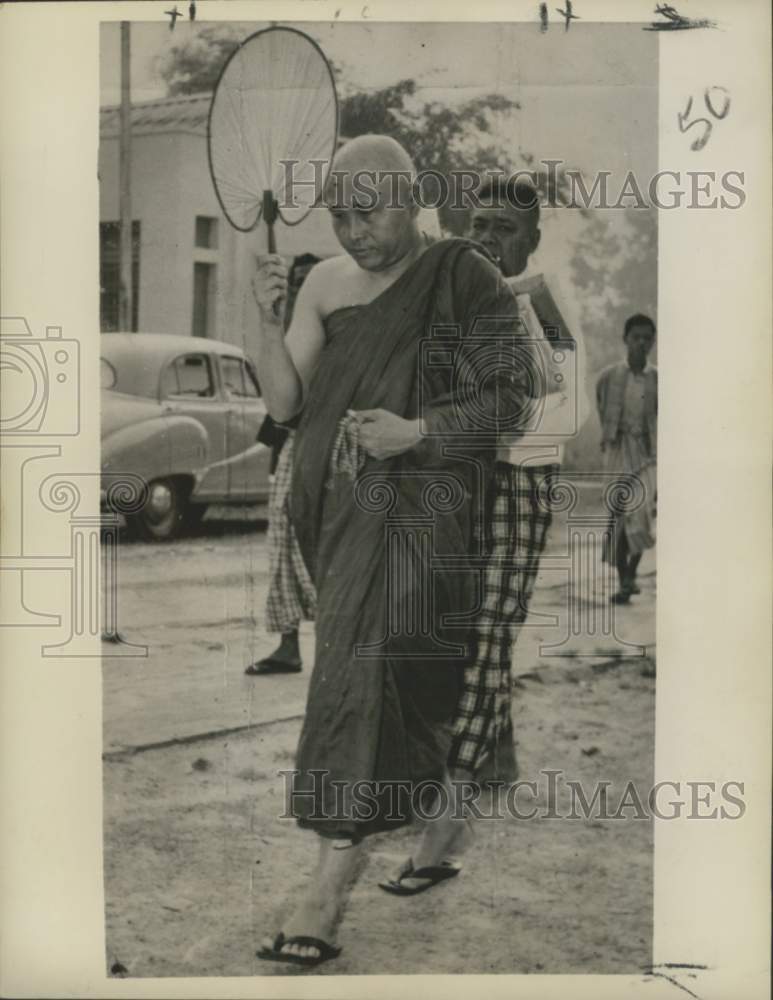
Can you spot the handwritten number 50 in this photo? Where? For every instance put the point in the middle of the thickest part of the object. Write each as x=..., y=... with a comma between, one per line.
x=717, y=101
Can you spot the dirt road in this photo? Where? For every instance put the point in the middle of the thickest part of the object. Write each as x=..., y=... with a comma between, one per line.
x=198, y=865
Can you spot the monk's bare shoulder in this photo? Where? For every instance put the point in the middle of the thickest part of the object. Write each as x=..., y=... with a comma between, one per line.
x=337, y=282
x=328, y=283
x=326, y=269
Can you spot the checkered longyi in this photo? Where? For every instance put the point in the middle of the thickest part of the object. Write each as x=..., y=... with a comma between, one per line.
x=291, y=594
x=515, y=535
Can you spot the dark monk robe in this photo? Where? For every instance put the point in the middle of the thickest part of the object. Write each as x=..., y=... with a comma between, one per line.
x=380, y=714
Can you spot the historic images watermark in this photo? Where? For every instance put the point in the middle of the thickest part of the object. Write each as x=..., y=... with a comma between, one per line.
x=555, y=184
x=551, y=796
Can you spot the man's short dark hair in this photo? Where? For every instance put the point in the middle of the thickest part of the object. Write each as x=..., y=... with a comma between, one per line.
x=517, y=191
x=638, y=319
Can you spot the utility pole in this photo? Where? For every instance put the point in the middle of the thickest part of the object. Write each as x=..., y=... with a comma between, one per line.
x=127, y=290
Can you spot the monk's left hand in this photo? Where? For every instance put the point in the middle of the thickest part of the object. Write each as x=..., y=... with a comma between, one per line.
x=384, y=434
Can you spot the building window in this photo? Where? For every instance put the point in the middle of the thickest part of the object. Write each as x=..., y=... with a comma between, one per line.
x=110, y=276
x=203, y=299
x=206, y=232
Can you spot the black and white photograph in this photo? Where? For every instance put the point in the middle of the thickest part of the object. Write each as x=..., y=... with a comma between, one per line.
x=385, y=579
x=385, y=360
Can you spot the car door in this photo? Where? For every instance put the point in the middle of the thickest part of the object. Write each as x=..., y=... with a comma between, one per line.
x=249, y=460
x=189, y=388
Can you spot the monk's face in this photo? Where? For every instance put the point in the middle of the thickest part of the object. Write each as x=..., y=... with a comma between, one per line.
x=374, y=219
x=510, y=234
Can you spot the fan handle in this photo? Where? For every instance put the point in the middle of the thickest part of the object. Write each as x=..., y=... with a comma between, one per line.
x=270, y=213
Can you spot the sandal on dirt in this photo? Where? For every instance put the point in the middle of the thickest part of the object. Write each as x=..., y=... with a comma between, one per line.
x=275, y=953
x=273, y=665
x=433, y=875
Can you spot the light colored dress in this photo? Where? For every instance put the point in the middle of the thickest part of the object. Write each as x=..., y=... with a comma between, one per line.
x=631, y=452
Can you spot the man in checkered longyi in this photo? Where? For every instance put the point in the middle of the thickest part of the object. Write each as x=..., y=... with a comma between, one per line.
x=517, y=520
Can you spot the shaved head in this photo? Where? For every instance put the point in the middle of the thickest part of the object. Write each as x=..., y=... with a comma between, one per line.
x=373, y=152
x=369, y=194
x=375, y=166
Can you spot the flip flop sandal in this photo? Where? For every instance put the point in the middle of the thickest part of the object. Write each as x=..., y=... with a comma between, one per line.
x=434, y=874
x=270, y=665
x=275, y=953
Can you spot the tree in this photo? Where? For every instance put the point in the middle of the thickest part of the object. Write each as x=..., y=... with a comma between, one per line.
x=193, y=66
x=614, y=265
x=440, y=138
x=614, y=271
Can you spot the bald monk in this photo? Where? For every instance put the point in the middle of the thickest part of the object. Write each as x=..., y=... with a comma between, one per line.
x=380, y=699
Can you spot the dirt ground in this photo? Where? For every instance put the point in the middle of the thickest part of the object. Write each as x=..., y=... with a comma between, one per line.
x=198, y=866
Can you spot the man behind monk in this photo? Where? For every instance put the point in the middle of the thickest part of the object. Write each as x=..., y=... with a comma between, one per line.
x=370, y=451
x=506, y=222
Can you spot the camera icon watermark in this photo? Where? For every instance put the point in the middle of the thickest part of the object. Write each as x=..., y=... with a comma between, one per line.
x=40, y=400
x=500, y=381
x=39, y=381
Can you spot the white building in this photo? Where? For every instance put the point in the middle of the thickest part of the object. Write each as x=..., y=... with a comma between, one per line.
x=192, y=269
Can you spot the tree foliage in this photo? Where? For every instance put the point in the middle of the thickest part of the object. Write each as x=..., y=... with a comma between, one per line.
x=193, y=65
x=614, y=272
x=615, y=269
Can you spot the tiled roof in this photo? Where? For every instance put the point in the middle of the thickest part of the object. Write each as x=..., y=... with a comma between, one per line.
x=165, y=114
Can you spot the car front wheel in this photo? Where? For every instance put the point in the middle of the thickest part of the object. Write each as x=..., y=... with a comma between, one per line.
x=163, y=516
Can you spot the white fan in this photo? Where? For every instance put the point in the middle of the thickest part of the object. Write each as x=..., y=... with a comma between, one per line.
x=274, y=116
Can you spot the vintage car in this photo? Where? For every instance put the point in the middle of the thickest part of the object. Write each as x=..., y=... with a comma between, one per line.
x=182, y=413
